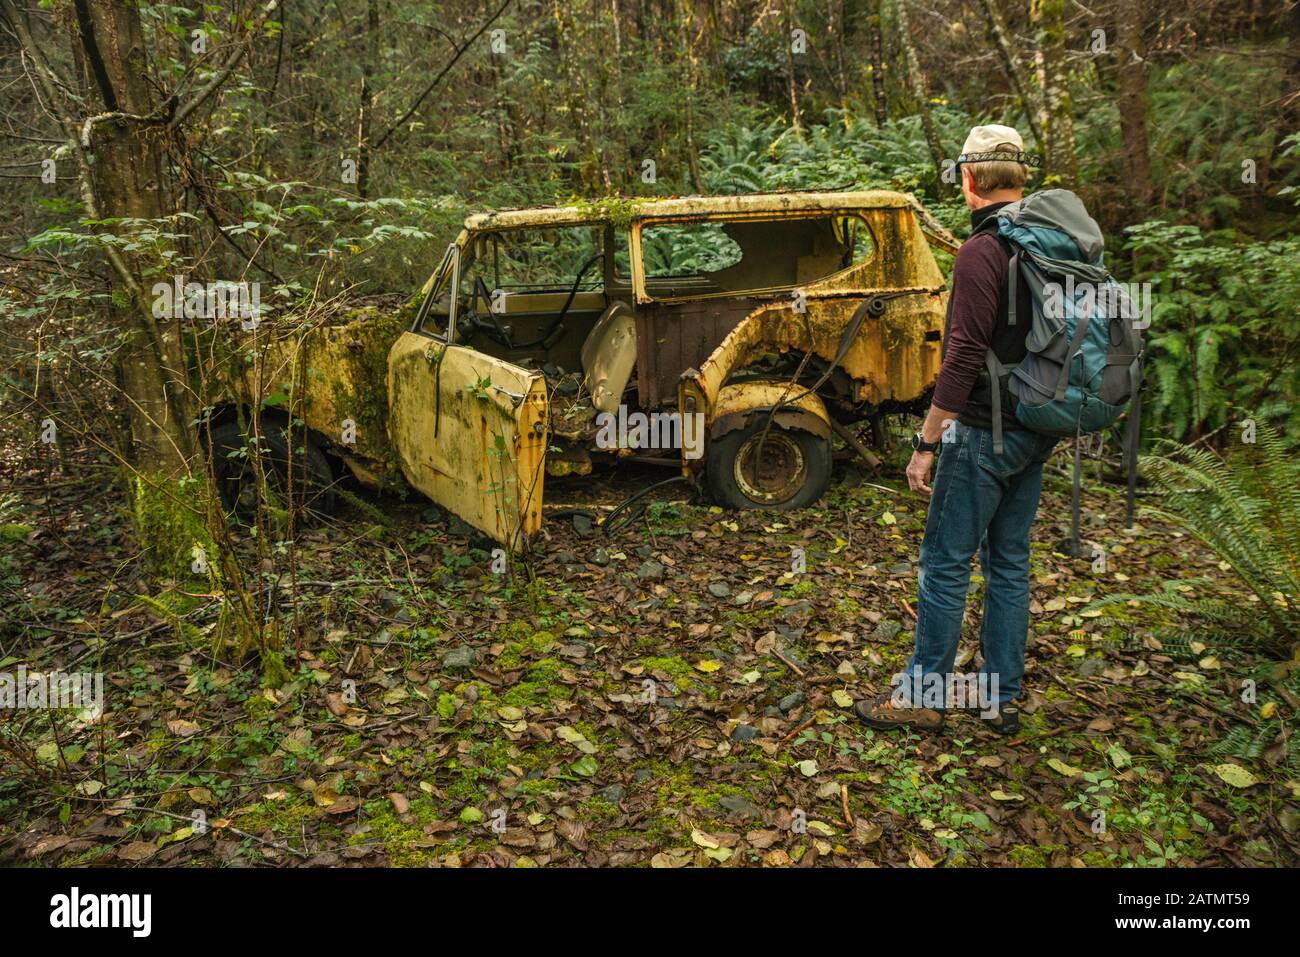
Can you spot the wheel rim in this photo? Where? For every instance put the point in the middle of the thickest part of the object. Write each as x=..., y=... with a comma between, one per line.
x=770, y=468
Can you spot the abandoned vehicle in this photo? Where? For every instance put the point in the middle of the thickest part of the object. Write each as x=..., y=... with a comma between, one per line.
x=728, y=337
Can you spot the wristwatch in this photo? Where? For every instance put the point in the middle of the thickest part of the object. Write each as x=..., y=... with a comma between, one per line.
x=921, y=445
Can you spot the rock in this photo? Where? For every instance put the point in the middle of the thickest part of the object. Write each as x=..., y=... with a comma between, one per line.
x=582, y=525
x=565, y=557
x=791, y=635
x=791, y=701
x=737, y=804
x=644, y=551
x=613, y=794
x=600, y=557
x=1090, y=666
x=902, y=568
x=641, y=775
x=650, y=571
x=802, y=607
x=744, y=733
x=459, y=528
x=461, y=658
x=887, y=630
x=719, y=589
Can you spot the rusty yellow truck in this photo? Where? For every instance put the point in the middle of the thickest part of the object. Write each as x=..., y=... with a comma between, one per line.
x=729, y=337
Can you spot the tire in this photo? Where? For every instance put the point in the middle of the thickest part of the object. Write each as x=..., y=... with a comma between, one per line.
x=797, y=472
x=313, y=476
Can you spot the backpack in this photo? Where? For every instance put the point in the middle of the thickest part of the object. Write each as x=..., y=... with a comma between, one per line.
x=1085, y=347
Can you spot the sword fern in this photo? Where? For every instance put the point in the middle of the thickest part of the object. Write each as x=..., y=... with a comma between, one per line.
x=1245, y=506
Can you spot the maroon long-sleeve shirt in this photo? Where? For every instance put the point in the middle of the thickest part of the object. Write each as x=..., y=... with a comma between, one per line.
x=977, y=321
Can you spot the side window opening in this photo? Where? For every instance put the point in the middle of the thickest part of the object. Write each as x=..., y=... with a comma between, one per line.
x=710, y=258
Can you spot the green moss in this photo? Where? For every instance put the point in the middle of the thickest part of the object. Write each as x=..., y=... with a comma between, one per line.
x=362, y=394
x=681, y=673
x=285, y=818
x=617, y=210
x=13, y=532
x=1028, y=855
x=598, y=810
x=519, y=650
x=170, y=519
x=274, y=672
x=1096, y=859
x=671, y=782
x=399, y=838
x=531, y=693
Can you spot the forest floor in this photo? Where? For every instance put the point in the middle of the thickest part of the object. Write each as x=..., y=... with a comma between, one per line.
x=675, y=694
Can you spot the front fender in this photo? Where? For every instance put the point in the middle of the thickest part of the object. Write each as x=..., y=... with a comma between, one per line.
x=740, y=402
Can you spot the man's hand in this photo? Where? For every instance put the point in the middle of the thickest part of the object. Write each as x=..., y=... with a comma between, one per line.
x=918, y=472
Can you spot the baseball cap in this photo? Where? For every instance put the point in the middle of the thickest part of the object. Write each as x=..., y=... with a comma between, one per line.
x=995, y=142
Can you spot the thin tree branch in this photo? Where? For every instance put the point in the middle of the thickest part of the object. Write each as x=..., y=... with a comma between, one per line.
x=438, y=79
x=222, y=75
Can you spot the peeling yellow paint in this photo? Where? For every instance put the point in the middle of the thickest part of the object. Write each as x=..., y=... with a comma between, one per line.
x=469, y=431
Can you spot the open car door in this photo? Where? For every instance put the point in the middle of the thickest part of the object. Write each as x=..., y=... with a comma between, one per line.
x=469, y=430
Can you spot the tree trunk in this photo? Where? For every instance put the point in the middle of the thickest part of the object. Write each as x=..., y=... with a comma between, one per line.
x=689, y=39
x=878, y=64
x=792, y=81
x=1011, y=64
x=1057, y=114
x=920, y=94
x=128, y=181
x=1133, y=105
x=367, y=97
x=119, y=133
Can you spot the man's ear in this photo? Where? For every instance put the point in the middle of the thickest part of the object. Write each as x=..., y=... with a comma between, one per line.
x=968, y=180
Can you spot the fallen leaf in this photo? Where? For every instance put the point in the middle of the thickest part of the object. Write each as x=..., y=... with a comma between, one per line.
x=1060, y=767
x=1235, y=775
x=703, y=839
x=138, y=851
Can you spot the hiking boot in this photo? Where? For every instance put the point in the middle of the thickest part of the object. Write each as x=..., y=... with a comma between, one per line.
x=882, y=713
x=1006, y=721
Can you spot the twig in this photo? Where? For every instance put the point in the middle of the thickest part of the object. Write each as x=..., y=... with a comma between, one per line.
x=796, y=731
x=788, y=663
x=233, y=830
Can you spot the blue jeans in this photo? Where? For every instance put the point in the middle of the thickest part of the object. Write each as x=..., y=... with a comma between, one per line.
x=984, y=502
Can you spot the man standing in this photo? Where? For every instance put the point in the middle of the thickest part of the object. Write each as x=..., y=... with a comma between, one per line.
x=983, y=500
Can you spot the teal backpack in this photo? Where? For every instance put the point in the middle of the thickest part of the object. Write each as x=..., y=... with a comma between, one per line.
x=1085, y=350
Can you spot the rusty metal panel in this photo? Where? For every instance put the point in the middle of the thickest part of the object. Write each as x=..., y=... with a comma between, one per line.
x=674, y=337
x=469, y=431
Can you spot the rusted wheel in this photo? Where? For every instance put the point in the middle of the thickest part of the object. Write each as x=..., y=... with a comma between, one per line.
x=311, y=477
x=761, y=467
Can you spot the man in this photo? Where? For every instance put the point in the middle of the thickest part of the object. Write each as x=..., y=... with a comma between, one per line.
x=982, y=500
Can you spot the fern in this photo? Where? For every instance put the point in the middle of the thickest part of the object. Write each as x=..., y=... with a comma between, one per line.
x=1246, y=508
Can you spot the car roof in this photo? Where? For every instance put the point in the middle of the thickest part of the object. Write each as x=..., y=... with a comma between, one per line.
x=638, y=209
